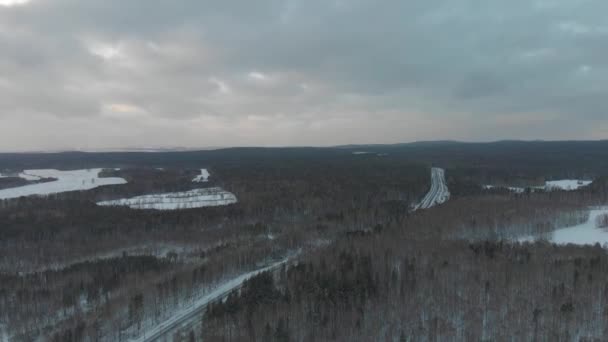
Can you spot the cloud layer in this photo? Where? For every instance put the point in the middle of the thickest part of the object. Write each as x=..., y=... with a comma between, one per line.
x=107, y=74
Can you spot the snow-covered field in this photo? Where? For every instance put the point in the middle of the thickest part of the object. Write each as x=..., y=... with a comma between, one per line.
x=75, y=180
x=203, y=177
x=197, y=198
x=565, y=184
x=583, y=234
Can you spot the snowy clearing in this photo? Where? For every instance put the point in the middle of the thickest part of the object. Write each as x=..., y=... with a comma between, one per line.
x=583, y=234
x=510, y=188
x=203, y=177
x=566, y=184
x=197, y=198
x=75, y=180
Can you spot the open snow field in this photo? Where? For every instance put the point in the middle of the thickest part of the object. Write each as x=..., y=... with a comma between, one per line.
x=197, y=198
x=583, y=234
x=203, y=177
x=75, y=180
x=565, y=184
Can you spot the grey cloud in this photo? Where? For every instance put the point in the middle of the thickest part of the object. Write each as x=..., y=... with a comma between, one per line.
x=149, y=64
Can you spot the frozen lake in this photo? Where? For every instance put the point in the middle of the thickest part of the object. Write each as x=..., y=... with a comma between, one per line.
x=73, y=180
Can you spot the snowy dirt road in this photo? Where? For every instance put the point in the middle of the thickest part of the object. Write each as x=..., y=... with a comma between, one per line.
x=438, y=194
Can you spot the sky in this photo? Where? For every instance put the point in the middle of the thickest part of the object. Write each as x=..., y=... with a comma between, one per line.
x=105, y=74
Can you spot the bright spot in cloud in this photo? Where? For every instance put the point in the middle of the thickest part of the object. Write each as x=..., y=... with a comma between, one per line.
x=105, y=51
x=8, y=3
x=574, y=28
x=122, y=110
x=222, y=87
x=257, y=76
x=584, y=69
x=537, y=54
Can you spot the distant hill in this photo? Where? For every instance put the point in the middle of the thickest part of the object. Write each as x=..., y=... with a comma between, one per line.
x=557, y=158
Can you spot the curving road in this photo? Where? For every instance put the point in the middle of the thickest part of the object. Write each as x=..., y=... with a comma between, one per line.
x=438, y=194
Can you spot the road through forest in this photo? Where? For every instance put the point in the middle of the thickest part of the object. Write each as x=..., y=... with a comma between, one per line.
x=438, y=194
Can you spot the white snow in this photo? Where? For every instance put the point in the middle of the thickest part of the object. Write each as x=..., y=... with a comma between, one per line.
x=510, y=188
x=567, y=184
x=3, y=333
x=583, y=234
x=75, y=180
x=30, y=175
x=197, y=198
x=203, y=177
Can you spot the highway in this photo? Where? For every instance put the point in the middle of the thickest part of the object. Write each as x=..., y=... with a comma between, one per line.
x=191, y=315
x=438, y=194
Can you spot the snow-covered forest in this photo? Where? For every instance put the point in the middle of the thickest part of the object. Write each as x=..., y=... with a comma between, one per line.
x=346, y=254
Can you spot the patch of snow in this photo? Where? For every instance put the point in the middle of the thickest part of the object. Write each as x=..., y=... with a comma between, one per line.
x=361, y=152
x=197, y=198
x=583, y=234
x=3, y=333
x=30, y=176
x=510, y=188
x=567, y=184
x=203, y=177
x=75, y=180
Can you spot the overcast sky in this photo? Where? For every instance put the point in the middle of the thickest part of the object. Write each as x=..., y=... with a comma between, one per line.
x=85, y=74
